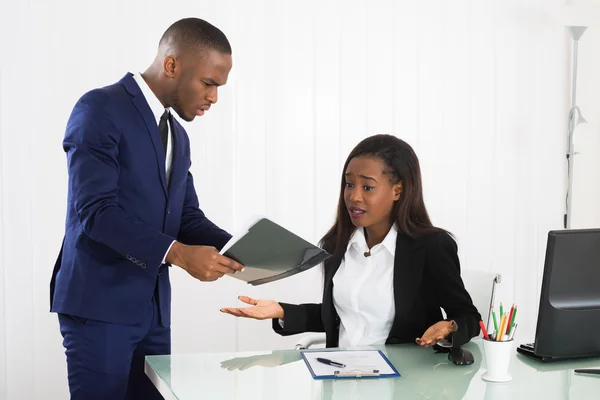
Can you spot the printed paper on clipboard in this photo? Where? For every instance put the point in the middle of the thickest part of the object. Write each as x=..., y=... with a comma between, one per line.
x=356, y=364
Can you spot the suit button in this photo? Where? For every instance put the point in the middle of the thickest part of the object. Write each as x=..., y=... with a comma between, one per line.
x=169, y=208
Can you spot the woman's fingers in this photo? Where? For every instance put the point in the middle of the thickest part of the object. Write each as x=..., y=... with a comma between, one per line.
x=248, y=300
x=436, y=333
x=247, y=312
x=234, y=311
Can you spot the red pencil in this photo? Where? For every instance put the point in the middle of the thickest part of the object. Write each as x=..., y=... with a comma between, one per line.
x=483, y=330
x=512, y=309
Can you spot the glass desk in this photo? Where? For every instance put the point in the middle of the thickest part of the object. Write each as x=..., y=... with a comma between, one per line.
x=424, y=375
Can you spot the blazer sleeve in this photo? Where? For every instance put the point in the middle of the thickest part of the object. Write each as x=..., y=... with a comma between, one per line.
x=299, y=318
x=92, y=146
x=196, y=228
x=444, y=267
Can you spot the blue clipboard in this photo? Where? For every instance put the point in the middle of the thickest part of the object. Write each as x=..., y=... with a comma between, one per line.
x=352, y=374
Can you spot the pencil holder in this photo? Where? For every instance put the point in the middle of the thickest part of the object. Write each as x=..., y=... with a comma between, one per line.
x=497, y=360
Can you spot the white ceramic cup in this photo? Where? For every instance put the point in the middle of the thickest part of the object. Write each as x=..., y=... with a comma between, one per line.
x=497, y=360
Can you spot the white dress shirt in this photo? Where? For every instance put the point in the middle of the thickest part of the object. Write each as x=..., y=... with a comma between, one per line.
x=158, y=110
x=363, y=291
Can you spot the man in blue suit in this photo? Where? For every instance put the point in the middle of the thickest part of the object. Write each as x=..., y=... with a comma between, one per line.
x=132, y=211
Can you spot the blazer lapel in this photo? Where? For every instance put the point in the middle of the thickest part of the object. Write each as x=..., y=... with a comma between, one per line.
x=152, y=128
x=408, y=270
x=139, y=101
x=330, y=318
x=331, y=267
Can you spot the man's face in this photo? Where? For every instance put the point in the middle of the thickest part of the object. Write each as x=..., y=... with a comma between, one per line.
x=198, y=81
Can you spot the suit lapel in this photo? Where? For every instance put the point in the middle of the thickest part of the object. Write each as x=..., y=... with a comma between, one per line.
x=140, y=103
x=408, y=270
x=152, y=128
x=331, y=267
x=329, y=314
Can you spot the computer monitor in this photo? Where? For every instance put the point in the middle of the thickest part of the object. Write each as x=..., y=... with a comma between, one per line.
x=568, y=324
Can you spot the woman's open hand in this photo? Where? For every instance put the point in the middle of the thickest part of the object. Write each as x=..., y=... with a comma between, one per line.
x=260, y=309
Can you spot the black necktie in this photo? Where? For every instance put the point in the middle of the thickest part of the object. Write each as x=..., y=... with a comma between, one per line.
x=163, y=128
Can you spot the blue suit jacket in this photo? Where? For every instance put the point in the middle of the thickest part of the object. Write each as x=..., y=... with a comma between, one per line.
x=121, y=215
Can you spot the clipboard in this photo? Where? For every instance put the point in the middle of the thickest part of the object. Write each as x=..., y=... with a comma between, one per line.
x=349, y=372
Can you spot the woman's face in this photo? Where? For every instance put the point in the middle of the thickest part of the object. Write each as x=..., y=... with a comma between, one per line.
x=369, y=194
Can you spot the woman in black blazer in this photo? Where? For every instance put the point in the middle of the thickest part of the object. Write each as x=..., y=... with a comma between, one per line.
x=381, y=204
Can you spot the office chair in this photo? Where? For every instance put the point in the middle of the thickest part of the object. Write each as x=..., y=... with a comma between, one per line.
x=480, y=285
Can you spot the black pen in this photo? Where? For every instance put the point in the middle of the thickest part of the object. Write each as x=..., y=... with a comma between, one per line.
x=588, y=371
x=329, y=362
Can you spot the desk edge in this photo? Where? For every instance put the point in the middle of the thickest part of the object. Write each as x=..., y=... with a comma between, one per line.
x=158, y=383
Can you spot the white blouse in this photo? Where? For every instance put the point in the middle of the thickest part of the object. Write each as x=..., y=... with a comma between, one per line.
x=363, y=291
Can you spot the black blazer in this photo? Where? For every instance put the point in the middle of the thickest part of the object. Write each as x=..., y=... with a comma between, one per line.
x=426, y=277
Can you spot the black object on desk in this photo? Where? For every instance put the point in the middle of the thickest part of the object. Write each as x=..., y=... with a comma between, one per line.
x=461, y=356
x=569, y=299
x=588, y=371
x=330, y=362
x=458, y=355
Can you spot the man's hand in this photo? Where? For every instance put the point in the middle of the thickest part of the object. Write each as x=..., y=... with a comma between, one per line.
x=202, y=262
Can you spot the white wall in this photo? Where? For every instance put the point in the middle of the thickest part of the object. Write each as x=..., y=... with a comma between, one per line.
x=479, y=88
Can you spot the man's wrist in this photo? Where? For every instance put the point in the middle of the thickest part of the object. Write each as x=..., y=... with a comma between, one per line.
x=174, y=254
x=164, y=260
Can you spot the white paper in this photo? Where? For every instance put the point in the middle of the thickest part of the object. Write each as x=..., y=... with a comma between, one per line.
x=356, y=361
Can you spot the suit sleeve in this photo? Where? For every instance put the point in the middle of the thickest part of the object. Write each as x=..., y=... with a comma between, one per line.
x=299, y=318
x=92, y=146
x=196, y=228
x=444, y=266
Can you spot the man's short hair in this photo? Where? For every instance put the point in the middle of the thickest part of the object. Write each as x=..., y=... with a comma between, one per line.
x=189, y=33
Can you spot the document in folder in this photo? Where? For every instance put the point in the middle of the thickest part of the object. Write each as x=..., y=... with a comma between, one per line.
x=339, y=364
x=270, y=252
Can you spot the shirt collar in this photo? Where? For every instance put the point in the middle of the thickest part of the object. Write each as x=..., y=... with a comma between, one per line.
x=390, y=240
x=155, y=105
x=359, y=241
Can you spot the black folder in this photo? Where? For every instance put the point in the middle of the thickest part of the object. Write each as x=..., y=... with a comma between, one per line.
x=270, y=252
